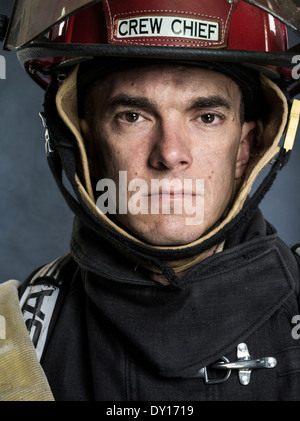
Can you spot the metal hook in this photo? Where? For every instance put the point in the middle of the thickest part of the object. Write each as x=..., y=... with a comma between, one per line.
x=245, y=364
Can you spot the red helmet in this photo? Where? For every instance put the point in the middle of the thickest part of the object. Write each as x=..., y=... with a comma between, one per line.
x=54, y=33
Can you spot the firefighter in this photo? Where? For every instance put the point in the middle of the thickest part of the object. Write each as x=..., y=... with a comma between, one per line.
x=161, y=115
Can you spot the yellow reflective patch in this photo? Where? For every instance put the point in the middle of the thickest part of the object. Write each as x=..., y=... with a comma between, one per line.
x=292, y=126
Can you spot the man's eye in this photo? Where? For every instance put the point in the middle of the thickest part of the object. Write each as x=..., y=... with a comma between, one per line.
x=210, y=118
x=130, y=117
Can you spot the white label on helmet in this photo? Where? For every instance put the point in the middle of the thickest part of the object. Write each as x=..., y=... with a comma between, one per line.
x=167, y=26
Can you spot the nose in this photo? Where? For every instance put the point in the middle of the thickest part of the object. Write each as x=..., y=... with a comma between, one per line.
x=171, y=149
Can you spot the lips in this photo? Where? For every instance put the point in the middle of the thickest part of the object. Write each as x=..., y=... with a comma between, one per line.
x=174, y=189
x=176, y=195
x=164, y=192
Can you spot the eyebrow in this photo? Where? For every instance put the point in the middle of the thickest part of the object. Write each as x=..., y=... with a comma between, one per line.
x=129, y=101
x=214, y=101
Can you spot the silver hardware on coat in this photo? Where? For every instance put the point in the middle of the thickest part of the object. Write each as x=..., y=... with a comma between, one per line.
x=245, y=364
x=202, y=373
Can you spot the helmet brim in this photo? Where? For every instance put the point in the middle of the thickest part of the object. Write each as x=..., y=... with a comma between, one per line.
x=72, y=54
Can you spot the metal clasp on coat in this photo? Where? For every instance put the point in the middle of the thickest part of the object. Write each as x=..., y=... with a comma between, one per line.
x=203, y=373
x=245, y=364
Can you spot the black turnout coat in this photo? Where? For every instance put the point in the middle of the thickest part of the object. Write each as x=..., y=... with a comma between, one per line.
x=119, y=336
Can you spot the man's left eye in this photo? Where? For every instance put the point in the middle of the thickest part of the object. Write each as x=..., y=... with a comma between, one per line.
x=210, y=118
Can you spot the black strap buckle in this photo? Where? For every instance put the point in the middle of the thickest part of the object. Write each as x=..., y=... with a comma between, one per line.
x=48, y=148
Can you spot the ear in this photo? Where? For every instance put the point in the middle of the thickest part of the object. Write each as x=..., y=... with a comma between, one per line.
x=90, y=147
x=245, y=147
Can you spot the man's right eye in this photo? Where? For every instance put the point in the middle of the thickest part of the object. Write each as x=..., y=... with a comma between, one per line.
x=130, y=117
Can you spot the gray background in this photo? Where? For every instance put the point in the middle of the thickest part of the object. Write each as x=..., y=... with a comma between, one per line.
x=35, y=222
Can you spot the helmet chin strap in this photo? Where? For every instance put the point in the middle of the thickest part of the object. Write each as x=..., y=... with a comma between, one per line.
x=63, y=158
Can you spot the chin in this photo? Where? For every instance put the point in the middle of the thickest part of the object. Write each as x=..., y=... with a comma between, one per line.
x=169, y=234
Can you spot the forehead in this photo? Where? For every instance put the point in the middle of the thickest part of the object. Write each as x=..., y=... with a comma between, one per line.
x=158, y=80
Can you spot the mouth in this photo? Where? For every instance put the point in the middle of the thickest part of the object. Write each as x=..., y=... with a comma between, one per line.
x=171, y=195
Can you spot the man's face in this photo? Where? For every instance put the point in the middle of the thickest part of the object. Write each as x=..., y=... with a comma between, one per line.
x=168, y=123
